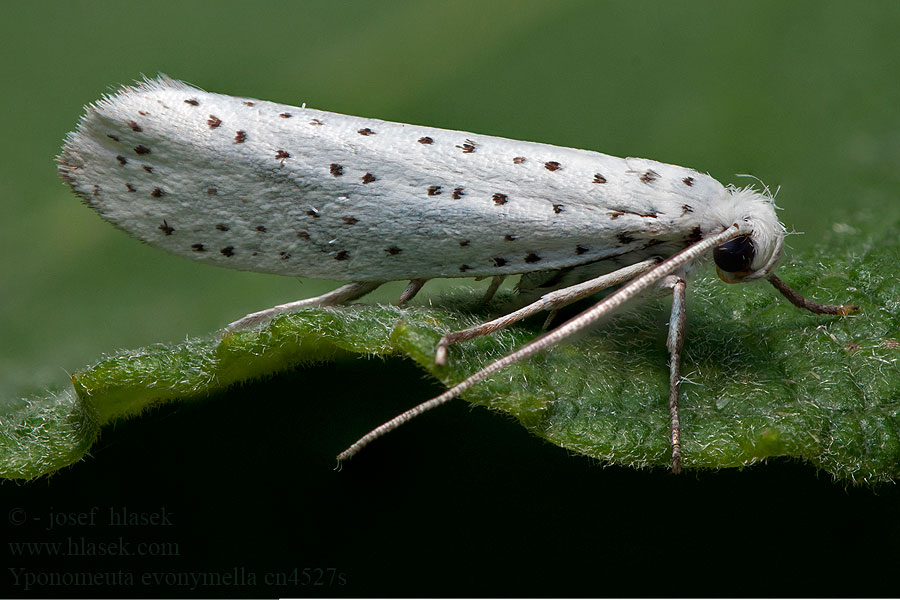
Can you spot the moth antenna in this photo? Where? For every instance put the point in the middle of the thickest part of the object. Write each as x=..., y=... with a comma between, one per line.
x=551, y=338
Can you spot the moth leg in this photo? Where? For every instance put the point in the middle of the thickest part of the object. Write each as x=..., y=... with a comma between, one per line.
x=609, y=304
x=551, y=316
x=496, y=281
x=411, y=290
x=345, y=293
x=675, y=343
x=549, y=301
x=813, y=307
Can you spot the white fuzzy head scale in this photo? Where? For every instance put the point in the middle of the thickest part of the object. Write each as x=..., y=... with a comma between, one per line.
x=753, y=210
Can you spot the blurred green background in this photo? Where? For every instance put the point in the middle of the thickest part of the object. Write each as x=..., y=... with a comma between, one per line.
x=804, y=95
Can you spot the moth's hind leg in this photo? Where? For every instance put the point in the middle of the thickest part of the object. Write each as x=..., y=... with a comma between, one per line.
x=345, y=293
x=551, y=301
x=411, y=290
x=496, y=282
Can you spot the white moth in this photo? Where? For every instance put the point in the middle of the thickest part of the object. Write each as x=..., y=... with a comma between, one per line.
x=266, y=187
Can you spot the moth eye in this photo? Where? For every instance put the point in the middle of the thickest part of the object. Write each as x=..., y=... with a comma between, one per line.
x=735, y=256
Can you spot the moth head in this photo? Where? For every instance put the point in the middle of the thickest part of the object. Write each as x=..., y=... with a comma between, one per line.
x=755, y=252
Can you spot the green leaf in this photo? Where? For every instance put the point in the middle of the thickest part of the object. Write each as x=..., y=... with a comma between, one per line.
x=763, y=378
